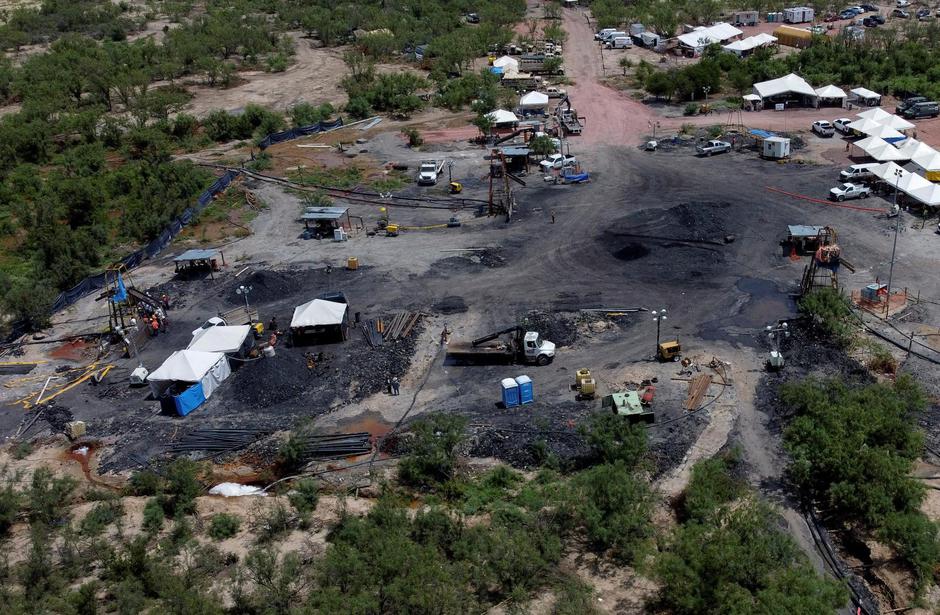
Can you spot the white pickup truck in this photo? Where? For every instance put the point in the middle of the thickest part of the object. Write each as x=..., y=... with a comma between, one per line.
x=427, y=173
x=713, y=147
x=558, y=161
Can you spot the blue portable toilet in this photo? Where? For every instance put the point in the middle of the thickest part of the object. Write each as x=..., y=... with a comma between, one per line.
x=510, y=392
x=526, y=395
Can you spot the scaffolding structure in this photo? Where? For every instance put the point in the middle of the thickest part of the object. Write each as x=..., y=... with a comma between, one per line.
x=501, y=199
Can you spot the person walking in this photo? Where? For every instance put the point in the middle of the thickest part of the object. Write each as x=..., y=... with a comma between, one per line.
x=154, y=326
x=272, y=326
x=161, y=318
x=445, y=335
x=553, y=216
x=388, y=385
x=395, y=385
x=165, y=300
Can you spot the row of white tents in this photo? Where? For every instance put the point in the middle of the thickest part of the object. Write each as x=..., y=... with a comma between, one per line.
x=912, y=184
x=793, y=85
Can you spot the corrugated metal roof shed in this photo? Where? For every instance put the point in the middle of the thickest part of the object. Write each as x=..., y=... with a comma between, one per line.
x=803, y=230
x=197, y=255
x=324, y=213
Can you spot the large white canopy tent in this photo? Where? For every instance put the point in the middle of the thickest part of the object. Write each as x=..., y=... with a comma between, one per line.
x=831, y=91
x=866, y=96
x=318, y=313
x=874, y=129
x=203, y=371
x=507, y=63
x=750, y=43
x=533, y=101
x=788, y=84
x=501, y=116
x=913, y=149
x=885, y=119
x=227, y=339
x=700, y=38
x=879, y=149
x=909, y=183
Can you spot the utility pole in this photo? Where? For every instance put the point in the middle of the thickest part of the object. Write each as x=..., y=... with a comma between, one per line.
x=244, y=290
x=897, y=228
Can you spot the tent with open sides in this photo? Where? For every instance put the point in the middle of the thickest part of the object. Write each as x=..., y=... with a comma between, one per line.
x=501, y=117
x=831, y=95
x=865, y=97
x=879, y=149
x=885, y=119
x=785, y=88
x=872, y=128
x=320, y=321
x=187, y=379
x=534, y=101
x=909, y=183
x=507, y=63
x=231, y=340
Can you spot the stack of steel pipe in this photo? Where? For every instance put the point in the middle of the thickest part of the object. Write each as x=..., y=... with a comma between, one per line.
x=335, y=445
x=401, y=325
x=372, y=330
x=217, y=440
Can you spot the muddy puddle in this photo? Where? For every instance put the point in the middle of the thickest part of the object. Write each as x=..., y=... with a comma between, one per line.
x=762, y=303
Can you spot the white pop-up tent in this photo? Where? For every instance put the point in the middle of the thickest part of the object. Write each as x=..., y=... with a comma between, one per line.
x=785, y=87
x=188, y=378
x=909, y=183
x=502, y=117
x=319, y=320
x=227, y=339
x=864, y=96
x=507, y=63
x=914, y=149
x=874, y=129
x=534, y=101
x=885, y=119
x=702, y=37
x=879, y=149
x=830, y=91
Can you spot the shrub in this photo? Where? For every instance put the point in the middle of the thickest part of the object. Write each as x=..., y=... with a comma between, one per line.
x=48, y=495
x=269, y=522
x=710, y=486
x=304, y=496
x=153, y=516
x=223, y=525
x=413, y=136
x=830, y=311
x=612, y=438
x=358, y=107
x=432, y=453
x=10, y=501
x=146, y=482
x=182, y=487
x=100, y=517
x=690, y=109
x=305, y=114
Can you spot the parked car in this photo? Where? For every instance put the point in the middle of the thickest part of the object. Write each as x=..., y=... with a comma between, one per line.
x=869, y=7
x=214, y=321
x=603, y=33
x=901, y=14
x=473, y=18
x=921, y=109
x=842, y=125
x=923, y=14
x=847, y=14
x=858, y=171
x=907, y=102
x=427, y=173
x=558, y=161
x=823, y=128
x=818, y=29
x=713, y=147
x=830, y=17
x=849, y=191
x=902, y=3
x=873, y=21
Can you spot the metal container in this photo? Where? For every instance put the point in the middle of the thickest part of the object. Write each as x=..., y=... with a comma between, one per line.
x=352, y=263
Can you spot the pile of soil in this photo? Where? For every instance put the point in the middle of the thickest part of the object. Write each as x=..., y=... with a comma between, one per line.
x=266, y=287
x=57, y=416
x=271, y=381
x=560, y=328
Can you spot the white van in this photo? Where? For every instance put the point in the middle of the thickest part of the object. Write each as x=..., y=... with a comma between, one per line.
x=619, y=42
x=603, y=33
x=858, y=171
x=610, y=36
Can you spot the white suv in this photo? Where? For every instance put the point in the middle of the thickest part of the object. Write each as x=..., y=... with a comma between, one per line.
x=823, y=128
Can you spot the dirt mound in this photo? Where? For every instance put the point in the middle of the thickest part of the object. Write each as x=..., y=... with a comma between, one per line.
x=271, y=381
x=560, y=328
x=450, y=305
x=57, y=416
x=266, y=286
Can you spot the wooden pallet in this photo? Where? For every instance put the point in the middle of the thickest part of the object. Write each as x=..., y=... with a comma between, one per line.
x=698, y=387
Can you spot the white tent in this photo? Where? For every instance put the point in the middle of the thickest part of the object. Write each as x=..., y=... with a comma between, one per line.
x=866, y=95
x=501, y=116
x=879, y=149
x=506, y=63
x=887, y=133
x=830, y=91
x=909, y=183
x=785, y=85
x=914, y=149
x=928, y=195
x=318, y=312
x=534, y=100
x=703, y=37
x=750, y=43
x=751, y=97
x=863, y=125
x=886, y=171
x=927, y=161
x=220, y=339
x=886, y=119
x=207, y=368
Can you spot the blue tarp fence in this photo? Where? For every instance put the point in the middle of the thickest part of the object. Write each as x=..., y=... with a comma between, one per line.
x=295, y=133
x=97, y=281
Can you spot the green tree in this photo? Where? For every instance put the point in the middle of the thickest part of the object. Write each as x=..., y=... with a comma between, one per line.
x=432, y=455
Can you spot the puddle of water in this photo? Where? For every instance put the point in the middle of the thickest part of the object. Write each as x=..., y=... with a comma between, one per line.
x=765, y=305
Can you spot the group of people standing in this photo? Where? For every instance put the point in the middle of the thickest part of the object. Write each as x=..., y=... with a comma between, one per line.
x=154, y=317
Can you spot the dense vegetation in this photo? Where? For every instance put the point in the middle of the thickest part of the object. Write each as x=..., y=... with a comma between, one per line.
x=729, y=555
x=897, y=61
x=853, y=449
x=86, y=164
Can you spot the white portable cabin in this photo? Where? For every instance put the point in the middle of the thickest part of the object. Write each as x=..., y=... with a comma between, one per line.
x=776, y=148
x=649, y=39
x=798, y=14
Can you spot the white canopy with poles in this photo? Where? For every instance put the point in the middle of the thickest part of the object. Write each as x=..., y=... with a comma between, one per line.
x=317, y=313
x=501, y=116
x=227, y=339
x=879, y=149
x=533, y=100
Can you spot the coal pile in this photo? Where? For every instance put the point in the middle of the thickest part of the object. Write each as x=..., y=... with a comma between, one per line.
x=450, y=305
x=687, y=240
x=177, y=292
x=527, y=447
x=266, y=287
x=57, y=416
x=562, y=329
x=272, y=381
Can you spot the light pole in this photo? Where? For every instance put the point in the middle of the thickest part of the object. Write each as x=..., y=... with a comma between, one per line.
x=244, y=290
x=897, y=228
x=659, y=317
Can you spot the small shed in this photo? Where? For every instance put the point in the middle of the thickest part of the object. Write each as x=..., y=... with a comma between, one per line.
x=319, y=321
x=744, y=18
x=803, y=238
x=798, y=14
x=233, y=340
x=776, y=148
x=793, y=37
x=196, y=259
x=832, y=96
x=187, y=379
x=864, y=97
x=517, y=158
x=325, y=220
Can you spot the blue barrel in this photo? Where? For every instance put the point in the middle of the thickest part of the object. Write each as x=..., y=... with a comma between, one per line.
x=526, y=395
x=510, y=392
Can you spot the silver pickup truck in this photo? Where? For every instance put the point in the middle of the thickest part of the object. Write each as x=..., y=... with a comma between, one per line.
x=713, y=147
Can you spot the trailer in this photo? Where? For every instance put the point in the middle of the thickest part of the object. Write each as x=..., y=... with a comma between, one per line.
x=568, y=117
x=798, y=14
x=519, y=346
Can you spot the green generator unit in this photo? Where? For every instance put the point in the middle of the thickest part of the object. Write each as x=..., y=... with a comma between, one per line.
x=628, y=404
